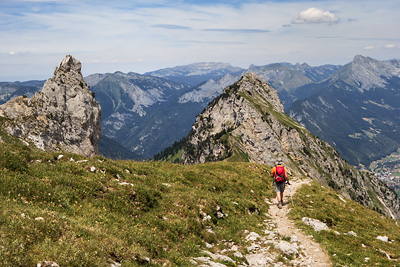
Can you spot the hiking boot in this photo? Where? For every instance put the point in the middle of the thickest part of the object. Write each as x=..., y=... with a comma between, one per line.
x=280, y=205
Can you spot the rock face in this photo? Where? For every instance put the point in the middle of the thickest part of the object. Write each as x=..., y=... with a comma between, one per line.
x=207, y=91
x=248, y=123
x=63, y=116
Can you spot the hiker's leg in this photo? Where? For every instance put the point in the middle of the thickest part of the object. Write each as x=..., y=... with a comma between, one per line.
x=278, y=191
x=282, y=190
x=279, y=199
x=278, y=196
x=281, y=196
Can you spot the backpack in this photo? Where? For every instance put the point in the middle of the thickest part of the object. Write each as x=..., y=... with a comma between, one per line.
x=280, y=174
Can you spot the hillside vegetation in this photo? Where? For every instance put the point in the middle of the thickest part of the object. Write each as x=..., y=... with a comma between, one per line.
x=93, y=212
x=87, y=212
x=354, y=230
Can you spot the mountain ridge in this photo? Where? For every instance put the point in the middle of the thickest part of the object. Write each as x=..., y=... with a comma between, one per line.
x=355, y=110
x=190, y=102
x=196, y=73
x=195, y=98
x=247, y=123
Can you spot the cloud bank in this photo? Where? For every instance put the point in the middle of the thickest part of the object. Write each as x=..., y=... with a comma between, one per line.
x=142, y=36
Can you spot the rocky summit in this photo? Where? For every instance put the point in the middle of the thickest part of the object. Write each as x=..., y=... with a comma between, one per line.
x=63, y=116
x=248, y=123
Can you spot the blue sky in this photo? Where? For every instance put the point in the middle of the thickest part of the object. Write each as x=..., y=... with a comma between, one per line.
x=140, y=36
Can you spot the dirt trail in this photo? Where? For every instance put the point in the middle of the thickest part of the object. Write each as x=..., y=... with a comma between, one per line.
x=286, y=227
x=272, y=247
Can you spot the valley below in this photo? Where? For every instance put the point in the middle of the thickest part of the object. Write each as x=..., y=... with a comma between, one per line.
x=387, y=170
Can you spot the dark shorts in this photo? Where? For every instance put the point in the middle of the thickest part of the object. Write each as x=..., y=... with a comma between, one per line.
x=279, y=187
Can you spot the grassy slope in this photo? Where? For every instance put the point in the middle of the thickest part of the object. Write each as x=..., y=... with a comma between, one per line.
x=322, y=203
x=56, y=209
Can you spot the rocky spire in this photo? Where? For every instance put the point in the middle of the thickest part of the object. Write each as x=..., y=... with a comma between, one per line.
x=63, y=116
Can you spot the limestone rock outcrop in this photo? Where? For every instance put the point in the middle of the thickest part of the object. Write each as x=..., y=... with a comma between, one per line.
x=63, y=116
x=247, y=122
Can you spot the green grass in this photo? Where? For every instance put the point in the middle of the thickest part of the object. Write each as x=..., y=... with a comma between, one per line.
x=324, y=204
x=56, y=209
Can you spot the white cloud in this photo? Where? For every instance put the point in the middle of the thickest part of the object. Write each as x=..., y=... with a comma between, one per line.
x=368, y=47
x=390, y=46
x=314, y=15
x=14, y=53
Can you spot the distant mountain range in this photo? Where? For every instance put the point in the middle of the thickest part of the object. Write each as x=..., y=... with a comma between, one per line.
x=357, y=110
x=286, y=78
x=137, y=111
x=196, y=73
x=147, y=113
x=10, y=90
x=351, y=106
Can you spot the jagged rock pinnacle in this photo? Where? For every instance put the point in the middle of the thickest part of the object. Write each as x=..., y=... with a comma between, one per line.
x=69, y=63
x=64, y=115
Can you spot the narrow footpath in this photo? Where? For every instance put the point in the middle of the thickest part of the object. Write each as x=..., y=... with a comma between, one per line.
x=314, y=253
x=281, y=243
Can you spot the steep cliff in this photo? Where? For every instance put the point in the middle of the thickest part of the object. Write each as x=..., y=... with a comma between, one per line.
x=248, y=123
x=63, y=116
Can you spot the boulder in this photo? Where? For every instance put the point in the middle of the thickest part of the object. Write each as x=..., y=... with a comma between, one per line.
x=287, y=248
x=47, y=264
x=383, y=238
x=316, y=224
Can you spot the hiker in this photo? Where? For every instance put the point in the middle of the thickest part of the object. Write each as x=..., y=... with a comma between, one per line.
x=280, y=176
